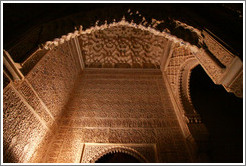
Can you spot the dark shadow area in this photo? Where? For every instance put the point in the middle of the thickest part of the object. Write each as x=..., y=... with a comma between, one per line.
x=117, y=158
x=222, y=113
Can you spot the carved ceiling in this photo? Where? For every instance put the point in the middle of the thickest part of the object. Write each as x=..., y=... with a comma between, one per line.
x=122, y=46
x=127, y=44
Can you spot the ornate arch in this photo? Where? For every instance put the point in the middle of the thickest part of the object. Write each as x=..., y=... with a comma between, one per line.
x=117, y=149
x=184, y=90
x=198, y=138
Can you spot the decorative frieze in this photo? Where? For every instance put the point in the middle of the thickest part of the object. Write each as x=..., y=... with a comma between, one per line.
x=221, y=53
x=210, y=66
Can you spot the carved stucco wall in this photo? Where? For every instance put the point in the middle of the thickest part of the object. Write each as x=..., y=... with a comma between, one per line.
x=223, y=55
x=179, y=54
x=119, y=106
x=53, y=78
x=32, y=106
x=22, y=130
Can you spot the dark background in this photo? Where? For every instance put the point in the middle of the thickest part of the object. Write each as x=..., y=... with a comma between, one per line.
x=221, y=112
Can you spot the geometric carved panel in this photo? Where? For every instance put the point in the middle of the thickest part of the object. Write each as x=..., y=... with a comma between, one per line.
x=119, y=107
x=122, y=46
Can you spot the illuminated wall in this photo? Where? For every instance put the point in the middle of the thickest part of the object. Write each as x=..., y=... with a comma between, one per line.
x=119, y=106
x=33, y=106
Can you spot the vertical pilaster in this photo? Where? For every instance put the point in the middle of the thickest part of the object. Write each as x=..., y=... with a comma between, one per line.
x=164, y=57
x=79, y=52
x=167, y=55
x=12, y=67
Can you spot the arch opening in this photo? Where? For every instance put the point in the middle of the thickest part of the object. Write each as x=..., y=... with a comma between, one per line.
x=184, y=83
x=127, y=155
x=221, y=113
x=118, y=157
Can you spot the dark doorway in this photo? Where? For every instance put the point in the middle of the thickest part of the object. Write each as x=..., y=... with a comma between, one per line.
x=117, y=158
x=222, y=114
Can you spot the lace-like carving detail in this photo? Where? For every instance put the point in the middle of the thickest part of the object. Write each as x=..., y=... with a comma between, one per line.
x=122, y=46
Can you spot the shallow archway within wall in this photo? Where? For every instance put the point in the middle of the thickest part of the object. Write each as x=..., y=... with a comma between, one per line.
x=118, y=157
x=222, y=114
